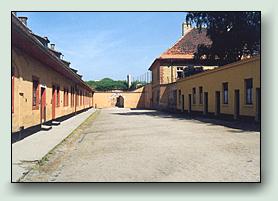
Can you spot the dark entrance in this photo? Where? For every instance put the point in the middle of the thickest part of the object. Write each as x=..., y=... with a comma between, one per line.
x=205, y=112
x=43, y=104
x=258, y=104
x=53, y=101
x=189, y=103
x=182, y=102
x=236, y=104
x=120, y=102
x=217, y=103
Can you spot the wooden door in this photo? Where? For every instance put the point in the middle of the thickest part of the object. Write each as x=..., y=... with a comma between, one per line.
x=205, y=103
x=189, y=103
x=236, y=104
x=182, y=102
x=43, y=104
x=217, y=103
x=53, y=101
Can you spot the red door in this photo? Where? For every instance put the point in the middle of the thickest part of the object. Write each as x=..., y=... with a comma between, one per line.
x=43, y=105
x=53, y=101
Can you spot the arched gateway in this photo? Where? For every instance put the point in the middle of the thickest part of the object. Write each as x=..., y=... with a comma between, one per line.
x=120, y=102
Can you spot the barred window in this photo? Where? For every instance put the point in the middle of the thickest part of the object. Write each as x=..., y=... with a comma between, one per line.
x=225, y=93
x=35, y=100
x=194, y=95
x=248, y=91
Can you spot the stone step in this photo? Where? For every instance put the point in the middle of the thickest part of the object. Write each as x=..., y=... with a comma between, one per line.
x=55, y=123
x=45, y=127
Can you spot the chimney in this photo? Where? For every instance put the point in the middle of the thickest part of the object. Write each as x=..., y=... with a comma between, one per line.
x=52, y=46
x=23, y=20
x=185, y=28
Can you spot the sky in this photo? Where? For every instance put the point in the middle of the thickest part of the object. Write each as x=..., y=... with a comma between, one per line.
x=108, y=44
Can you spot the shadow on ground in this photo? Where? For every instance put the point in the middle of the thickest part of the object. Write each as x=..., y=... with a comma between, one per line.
x=20, y=135
x=242, y=125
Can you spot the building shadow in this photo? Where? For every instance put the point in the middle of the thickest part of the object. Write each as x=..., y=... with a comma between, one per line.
x=244, y=125
x=20, y=135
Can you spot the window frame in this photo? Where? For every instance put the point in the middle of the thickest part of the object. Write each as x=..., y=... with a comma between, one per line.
x=194, y=95
x=248, y=97
x=225, y=89
x=37, y=93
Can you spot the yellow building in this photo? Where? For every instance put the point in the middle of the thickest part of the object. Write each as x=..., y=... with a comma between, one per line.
x=139, y=98
x=232, y=90
x=44, y=87
x=170, y=65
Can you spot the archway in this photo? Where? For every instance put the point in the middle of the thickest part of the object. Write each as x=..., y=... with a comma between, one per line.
x=120, y=102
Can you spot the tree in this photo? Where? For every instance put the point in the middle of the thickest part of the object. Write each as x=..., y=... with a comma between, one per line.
x=107, y=84
x=233, y=35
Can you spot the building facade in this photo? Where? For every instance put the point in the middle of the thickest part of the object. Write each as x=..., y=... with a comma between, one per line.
x=170, y=65
x=232, y=90
x=44, y=87
x=139, y=98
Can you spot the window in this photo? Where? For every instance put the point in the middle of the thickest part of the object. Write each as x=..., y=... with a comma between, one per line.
x=225, y=93
x=248, y=91
x=179, y=74
x=66, y=97
x=200, y=95
x=194, y=95
x=179, y=97
x=58, y=97
x=35, y=100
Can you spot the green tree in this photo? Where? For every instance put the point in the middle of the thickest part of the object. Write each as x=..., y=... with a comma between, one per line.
x=233, y=35
x=108, y=84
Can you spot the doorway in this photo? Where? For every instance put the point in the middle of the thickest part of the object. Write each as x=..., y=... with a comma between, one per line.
x=43, y=105
x=205, y=111
x=120, y=102
x=182, y=103
x=217, y=103
x=258, y=104
x=236, y=104
x=189, y=103
x=53, y=101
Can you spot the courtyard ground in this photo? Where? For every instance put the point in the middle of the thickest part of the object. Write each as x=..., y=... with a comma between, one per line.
x=30, y=150
x=126, y=145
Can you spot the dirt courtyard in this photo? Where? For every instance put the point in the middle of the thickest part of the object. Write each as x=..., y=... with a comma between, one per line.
x=126, y=145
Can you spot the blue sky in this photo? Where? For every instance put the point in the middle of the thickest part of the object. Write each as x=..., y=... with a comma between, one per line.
x=108, y=44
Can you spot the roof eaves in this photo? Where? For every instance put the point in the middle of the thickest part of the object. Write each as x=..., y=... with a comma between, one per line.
x=29, y=35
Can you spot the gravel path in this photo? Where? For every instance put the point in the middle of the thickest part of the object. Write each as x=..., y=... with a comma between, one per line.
x=145, y=145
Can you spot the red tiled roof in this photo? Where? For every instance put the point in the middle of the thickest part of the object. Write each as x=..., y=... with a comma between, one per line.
x=187, y=45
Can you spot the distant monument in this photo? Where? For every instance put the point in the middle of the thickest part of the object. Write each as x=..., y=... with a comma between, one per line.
x=129, y=80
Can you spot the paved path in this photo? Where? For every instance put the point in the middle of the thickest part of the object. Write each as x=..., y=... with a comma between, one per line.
x=31, y=149
x=146, y=145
